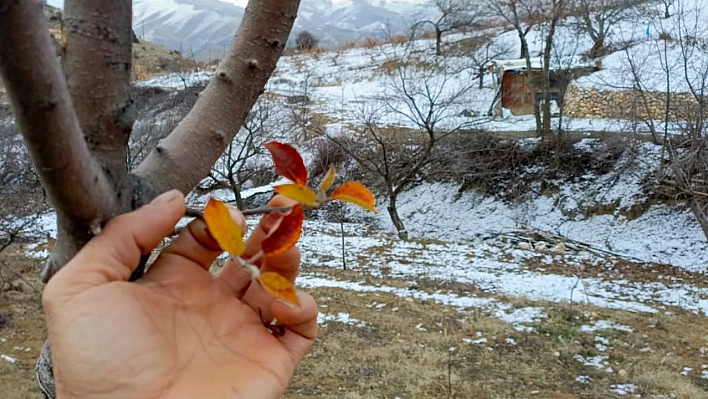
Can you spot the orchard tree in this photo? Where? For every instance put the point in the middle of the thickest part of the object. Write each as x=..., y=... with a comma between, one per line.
x=306, y=41
x=425, y=98
x=597, y=18
x=453, y=14
x=76, y=116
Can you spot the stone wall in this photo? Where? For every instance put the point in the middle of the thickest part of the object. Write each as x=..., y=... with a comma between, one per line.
x=626, y=104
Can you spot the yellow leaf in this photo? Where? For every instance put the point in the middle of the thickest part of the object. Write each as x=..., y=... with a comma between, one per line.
x=355, y=193
x=224, y=230
x=279, y=287
x=299, y=193
x=328, y=180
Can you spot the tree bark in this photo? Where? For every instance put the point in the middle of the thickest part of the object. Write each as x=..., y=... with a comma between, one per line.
x=223, y=106
x=77, y=128
x=546, y=123
x=524, y=46
x=438, y=41
x=396, y=219
x=75, y=183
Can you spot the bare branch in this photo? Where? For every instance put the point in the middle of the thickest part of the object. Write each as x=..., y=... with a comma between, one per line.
x=185, y=157
x=97, y=63
x=75, y=183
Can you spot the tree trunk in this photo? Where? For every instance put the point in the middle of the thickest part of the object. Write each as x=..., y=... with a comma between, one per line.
x=236, y=188
x=76, y=127
x=481, y=77
x=397, y=222
x=524, y=46
x=598, y=47
x=438, y=41
x=548, y=46
x=700, y=214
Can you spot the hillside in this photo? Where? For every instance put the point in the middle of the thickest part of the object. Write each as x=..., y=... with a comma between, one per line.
x=149, y=59
x=555, y=267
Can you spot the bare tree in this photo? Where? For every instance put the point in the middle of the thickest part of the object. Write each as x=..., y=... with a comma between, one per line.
x=426, y=97
x=245, y=157
x=481, y=58
x=680, y=86
x=523, y=15
x=77, y=120
x=598, y=17
x=306, y=41
x=555, y=13
x=453, y=14
x=688, y=153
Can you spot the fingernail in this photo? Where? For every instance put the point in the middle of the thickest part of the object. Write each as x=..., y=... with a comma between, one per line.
x=166, y=197
x=288, y=304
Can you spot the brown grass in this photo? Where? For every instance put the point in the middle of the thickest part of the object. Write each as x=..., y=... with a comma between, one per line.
x=402, y=349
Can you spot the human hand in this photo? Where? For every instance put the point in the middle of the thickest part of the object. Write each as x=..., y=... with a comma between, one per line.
x=179, y=331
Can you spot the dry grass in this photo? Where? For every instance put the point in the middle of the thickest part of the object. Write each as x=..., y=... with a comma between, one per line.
x=389, y=357
x=401, y=348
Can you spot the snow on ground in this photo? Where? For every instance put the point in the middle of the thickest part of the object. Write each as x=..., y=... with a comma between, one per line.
x=662, y=234
x=340, y=84
x=456, y=239
x=488, y=266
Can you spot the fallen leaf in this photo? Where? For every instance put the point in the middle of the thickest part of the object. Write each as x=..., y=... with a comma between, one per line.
x=279, y=287
x=287, y=233
x=288, y=162
x=225, y=231
x=299, y=193
x=355, y=193
x=328, y=180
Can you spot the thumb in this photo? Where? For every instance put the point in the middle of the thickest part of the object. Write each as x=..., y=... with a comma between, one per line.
x=114, y=254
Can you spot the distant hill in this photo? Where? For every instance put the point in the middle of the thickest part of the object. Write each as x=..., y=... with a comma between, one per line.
x=204, y=28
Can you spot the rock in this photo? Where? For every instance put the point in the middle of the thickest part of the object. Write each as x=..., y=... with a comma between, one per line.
x=525, y=246
x=559, y=248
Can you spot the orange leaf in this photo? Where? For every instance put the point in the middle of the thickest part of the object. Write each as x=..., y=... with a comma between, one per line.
x=287, y=233
x=299, y=193
x=224, y=230
x=288, y=162
x=328, y=180
x=279, y=287
x=355, y=193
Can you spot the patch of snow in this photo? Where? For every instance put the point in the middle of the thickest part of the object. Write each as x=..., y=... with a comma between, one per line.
x=8, y=359
x=474, y=341
x=340, y=317
x=623, y=389
x=606, y=325
x=599, y=362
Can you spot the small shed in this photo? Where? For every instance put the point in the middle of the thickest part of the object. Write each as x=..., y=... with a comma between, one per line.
x=513, y=83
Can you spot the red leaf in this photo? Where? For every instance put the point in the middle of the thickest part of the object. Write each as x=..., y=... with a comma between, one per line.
x=288, y=162
x=287, y=233
x=355, y=193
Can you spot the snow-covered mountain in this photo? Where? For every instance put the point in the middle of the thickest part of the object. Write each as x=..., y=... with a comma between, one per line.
x=206, y=27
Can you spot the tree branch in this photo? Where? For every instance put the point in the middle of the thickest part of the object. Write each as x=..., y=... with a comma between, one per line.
x=97, y=63
x=185, y=157
x=75, y=183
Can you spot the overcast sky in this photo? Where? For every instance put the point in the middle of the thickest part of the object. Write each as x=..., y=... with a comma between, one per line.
x=56, y=3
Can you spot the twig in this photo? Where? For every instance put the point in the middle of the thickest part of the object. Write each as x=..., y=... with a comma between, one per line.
x=341, y=226
x=196, y=213
x=265, y=210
